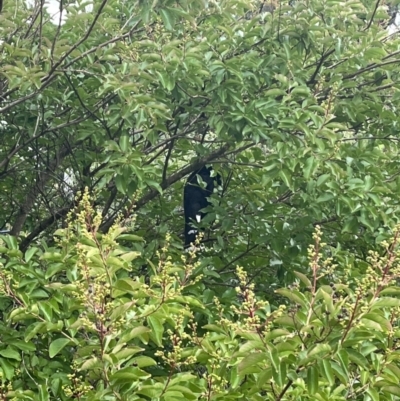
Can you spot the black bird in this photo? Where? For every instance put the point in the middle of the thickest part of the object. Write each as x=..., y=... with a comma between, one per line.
x=195, y=199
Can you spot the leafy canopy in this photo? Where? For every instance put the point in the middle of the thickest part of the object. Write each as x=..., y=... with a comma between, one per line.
x=295, y=105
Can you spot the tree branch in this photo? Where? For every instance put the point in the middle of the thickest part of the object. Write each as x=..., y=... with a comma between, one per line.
x=153, y=193
x=42, y=226
x=36, y=189
x=372, y=16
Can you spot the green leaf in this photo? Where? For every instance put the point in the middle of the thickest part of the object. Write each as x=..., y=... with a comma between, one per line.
x=127, y=285
x=304, y=279
x=126, y=353
x=322, y=179
x=33, y=329
x=155, y=185
x=326, y=197
x=174, y=396
x=57, y=345
x=133, y=333
x=310, y=167
x=286, y=178
x=51, y=256
x=249, y=363
x=300, y=90
x=376, y=53
x=183, y=391
x=23, y=346
x=129, y=256
x=382, y=324
x=193, y=302
x=7, y=368
x=121, y=183
x=152, y=392
x=344, y=360
x=129, y=373
x=274, y=357
x=53, y=269
x=157, y=329
x=91, y=364
x=10, y=353
x=385, y=302
x=373, y=393
x=46, y=310
x=43, y=393
x=144, y=361
x=124, y=143
x=277, y=333
x=312, y=380
x=390, y=291
x=275, y=92
x=30, y=253
x=357, y=358
x=121, y=310
x=294, y=296
x=395, y=390
x=327, y=371
x=319, y=349
x=167, y=18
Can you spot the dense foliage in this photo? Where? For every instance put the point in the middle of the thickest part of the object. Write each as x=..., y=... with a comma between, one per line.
x=296, y=108
x=294, y=104
x=101, y=332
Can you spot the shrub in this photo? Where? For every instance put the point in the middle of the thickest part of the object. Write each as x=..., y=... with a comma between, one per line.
x=79, y=322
